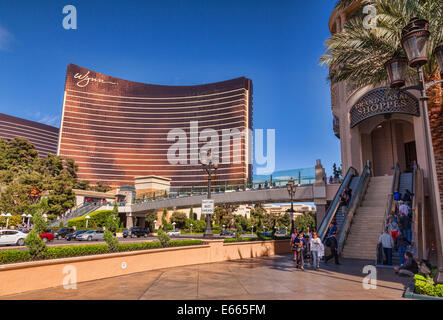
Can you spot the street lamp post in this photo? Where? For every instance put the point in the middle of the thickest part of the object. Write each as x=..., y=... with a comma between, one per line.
x=8, y=215
x=415, y=42
x=29, y=219
x=191, y=227
x=87, y=220
x=45, y=216
x=23, y=217
x=252, y=229
x=173, y=225
x=291, y=190
x=155, y=225
x=210, y=167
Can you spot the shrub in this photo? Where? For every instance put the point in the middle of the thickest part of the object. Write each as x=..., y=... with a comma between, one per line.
x=97, y=219
x=425, y=285
x=14, y=256
x=163, y=238
x=35, y=245
x=179, y=218
x=61, y=224
x=111, y=241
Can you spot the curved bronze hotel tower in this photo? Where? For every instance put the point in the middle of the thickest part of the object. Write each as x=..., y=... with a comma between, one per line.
x=117, y=130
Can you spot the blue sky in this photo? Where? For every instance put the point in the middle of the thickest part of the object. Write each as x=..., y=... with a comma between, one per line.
x=275, y=43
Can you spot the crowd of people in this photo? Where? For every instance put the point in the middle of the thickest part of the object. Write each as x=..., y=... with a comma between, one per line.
x=397, y=235
x=308, y=247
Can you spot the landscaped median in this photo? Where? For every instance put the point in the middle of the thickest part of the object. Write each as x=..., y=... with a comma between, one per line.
x=14, y=256
x=74, y=264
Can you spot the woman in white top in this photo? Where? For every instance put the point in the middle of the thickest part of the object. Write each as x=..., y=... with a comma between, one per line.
x=317, y=250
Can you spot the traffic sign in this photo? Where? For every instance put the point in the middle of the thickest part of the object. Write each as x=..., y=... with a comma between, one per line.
x=207, y=206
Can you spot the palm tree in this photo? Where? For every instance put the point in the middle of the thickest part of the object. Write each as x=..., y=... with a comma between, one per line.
x=361, y=53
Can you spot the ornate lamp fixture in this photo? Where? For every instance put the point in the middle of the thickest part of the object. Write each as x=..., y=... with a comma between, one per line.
x=415, y=42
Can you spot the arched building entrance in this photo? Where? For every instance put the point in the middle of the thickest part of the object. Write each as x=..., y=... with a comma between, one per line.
x=392, y=141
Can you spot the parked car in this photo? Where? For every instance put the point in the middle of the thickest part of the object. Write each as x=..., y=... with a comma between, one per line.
x=135, y=232
x=12, y=237
x=280, y=233
x=174, y=233
x=74, y=235
x=226, y=233
x=91, y=235
x=266, y=234
x=47, y=236
x=62, y=232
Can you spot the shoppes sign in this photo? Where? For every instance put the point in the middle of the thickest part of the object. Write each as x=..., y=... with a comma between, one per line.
x=382, y=101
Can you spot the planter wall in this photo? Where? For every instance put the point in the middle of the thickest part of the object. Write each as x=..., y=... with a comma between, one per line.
x=22, y=277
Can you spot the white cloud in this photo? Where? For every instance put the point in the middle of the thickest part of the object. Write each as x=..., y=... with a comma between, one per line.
x=5, y=39
x=50, y=120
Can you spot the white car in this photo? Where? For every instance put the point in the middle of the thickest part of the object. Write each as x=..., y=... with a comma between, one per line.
x=91, y=235
x=173, y=233
x=12, y=237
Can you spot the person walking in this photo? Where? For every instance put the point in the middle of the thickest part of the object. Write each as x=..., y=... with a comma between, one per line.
x=387, y=244
x=405, y=226
x=299, y=247
x=402, y=244
x=403, y=208
x=317, y=250
x=332, y=243
x=393, y=226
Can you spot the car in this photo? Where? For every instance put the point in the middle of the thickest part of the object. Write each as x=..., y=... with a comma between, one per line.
x=62, y=232
x=12, y=237
x=135, y=232
x=280, y=233
x=47, y=236
x=74, y=235
x=91, y=235
x=226, y=233
x=266, y=234
x=174, y=233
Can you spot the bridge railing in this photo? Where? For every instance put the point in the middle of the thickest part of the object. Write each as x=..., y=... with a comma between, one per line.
x=191, y=191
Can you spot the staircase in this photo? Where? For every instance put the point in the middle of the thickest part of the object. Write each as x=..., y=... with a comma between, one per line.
x=367, y=222
x=81, y=211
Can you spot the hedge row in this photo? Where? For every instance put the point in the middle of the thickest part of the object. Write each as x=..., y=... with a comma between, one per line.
x=97, y=219
x=426, y=286
x=248, y=239
x=14, y=256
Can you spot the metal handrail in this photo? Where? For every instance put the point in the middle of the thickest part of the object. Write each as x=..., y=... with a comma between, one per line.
x=388, y=208
x=333, y=207
x=357, y=198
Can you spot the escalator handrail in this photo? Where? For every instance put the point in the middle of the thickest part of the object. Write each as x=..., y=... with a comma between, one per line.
x=357, y=198
x=333, y=207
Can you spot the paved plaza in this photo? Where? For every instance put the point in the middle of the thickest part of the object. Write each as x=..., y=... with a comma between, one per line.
x=266, y=278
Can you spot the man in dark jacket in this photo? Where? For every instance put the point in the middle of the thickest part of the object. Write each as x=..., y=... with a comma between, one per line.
x=405, y=226
x=299, y=245
x=409, y=268
x=332, y=243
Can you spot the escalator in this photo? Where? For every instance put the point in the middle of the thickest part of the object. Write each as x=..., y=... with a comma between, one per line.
x=335, y=210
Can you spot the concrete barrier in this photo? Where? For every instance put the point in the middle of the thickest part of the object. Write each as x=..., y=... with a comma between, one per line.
x=27, y=276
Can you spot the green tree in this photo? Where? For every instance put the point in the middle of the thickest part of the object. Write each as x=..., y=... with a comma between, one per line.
x=305, y=222
x=111, y=240
x=179, y=218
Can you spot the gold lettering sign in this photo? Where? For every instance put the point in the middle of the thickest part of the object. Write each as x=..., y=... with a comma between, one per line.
x=380, y=101
x=85, y=80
